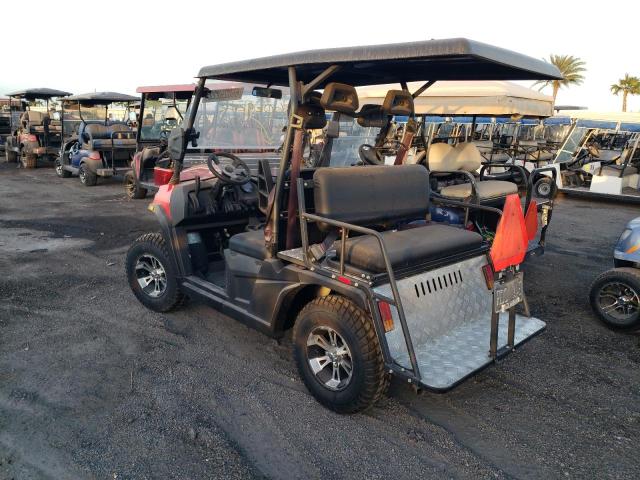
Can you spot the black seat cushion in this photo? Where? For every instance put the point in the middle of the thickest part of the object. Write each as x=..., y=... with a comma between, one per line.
x=409, y=247
x=249, y=243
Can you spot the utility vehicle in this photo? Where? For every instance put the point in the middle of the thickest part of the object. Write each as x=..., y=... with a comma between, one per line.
x=615, y=294
x=36, y=134
x=230, y=118
x=346, y=257
x=599, y=157
x=94, y=143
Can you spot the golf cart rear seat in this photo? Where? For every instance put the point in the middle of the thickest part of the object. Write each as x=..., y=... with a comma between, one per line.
x=381, y=197
x=35, y=122
x=96, y=137
x=465, y=157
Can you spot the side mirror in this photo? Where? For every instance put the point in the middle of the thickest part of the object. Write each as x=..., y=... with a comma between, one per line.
x=267, y=92
x=176, y=144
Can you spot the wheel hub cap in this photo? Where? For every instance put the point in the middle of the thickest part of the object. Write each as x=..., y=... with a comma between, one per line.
x=151, y=275
x=618, y=301
x=329, y=358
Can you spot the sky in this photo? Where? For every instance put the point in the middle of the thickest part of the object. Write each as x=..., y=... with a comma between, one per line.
x=84, y=46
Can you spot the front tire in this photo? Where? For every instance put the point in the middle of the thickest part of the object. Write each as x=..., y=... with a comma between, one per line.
x=132, y=188
x=60, y=171
x=338, y=354
x=11, y=156
x=87, y=177
x=151, y=274
x=615, y=298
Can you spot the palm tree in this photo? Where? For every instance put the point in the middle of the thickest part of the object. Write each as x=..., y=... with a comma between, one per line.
x=571, y=69
x=628, y=86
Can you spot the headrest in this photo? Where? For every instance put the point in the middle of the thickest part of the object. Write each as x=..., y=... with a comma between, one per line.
x=313, y=116
x=372, y=116
x=340, y=97
x=398, y=102
x=441, y=157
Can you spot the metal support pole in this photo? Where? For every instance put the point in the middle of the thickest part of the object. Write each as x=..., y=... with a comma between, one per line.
x=511, y=332
x=493, y=341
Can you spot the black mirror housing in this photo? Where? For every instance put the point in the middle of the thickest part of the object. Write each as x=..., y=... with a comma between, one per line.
x=267, y=92
x=176, y=144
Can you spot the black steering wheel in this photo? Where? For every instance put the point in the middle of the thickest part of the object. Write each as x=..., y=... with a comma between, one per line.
x=370, y=155
x=235, y=172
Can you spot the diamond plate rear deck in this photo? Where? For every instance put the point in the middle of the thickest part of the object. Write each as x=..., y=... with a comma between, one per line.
x=448, y=313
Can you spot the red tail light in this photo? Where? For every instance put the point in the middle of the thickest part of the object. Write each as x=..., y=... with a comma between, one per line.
x=531, y=220
x=387, y=317
x=510, y=243
x=94, y=155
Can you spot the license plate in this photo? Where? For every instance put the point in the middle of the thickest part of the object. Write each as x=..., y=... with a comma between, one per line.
x=508, y=293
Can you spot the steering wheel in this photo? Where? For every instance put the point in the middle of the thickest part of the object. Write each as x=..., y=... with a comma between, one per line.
x=235, y=172
x=369, y=155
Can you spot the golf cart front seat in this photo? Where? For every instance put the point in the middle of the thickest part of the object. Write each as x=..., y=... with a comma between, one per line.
x=381, y=197
x=465, y=157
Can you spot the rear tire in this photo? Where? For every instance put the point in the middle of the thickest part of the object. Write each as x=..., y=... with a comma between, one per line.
x=60, y=171
x=545, y=188
x=87, y=177
x=151, y=274
x=30, y=160
x=133, y=188
x=615, y=298
x=356, y=346
x=11, y=157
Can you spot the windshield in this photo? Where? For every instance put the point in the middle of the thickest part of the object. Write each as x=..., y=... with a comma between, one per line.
x=571, y=144
x=230, y=117
x=160, y=116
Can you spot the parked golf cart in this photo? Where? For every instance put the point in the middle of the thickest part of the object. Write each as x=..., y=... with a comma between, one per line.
x=615, y=294
x=230, y=118
x=460, y=169
x=94, y=143
x=600, y=157
x=317, y=250
x=36, y=134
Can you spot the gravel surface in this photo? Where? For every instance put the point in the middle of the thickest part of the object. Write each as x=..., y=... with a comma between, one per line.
x=93, y=385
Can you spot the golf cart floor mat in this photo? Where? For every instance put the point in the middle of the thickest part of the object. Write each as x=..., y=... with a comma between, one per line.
x=448, y=313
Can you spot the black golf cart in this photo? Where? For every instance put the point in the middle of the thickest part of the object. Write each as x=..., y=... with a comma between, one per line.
x=95, y=144
x=347, y=257
x=36, y=134
x=230, y=119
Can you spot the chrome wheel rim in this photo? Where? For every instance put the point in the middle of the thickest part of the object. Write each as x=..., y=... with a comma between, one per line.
x=544, y=189
x=329, y=358
x=82, y=174
x=151, y=275
x=618, y=301
x=58, y=167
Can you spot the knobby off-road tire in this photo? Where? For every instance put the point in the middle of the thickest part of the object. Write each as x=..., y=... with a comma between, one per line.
x=30, y=160
x=162, y=292
x=132, y=188
x=615, y=298
x=87, y=177
x=60, y=171
x=352, y=327
x=11, y=157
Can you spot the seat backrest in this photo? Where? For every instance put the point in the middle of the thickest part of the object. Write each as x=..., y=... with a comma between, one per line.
x=98, y=131
x=441, y=157
x=375, y=195
x=467, y=157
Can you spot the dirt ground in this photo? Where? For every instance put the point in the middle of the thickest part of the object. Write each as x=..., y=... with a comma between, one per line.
x=93, y=385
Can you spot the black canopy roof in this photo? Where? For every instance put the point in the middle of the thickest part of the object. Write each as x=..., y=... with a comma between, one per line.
x=31, y=93
x=450, y=59
x=101, y=98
